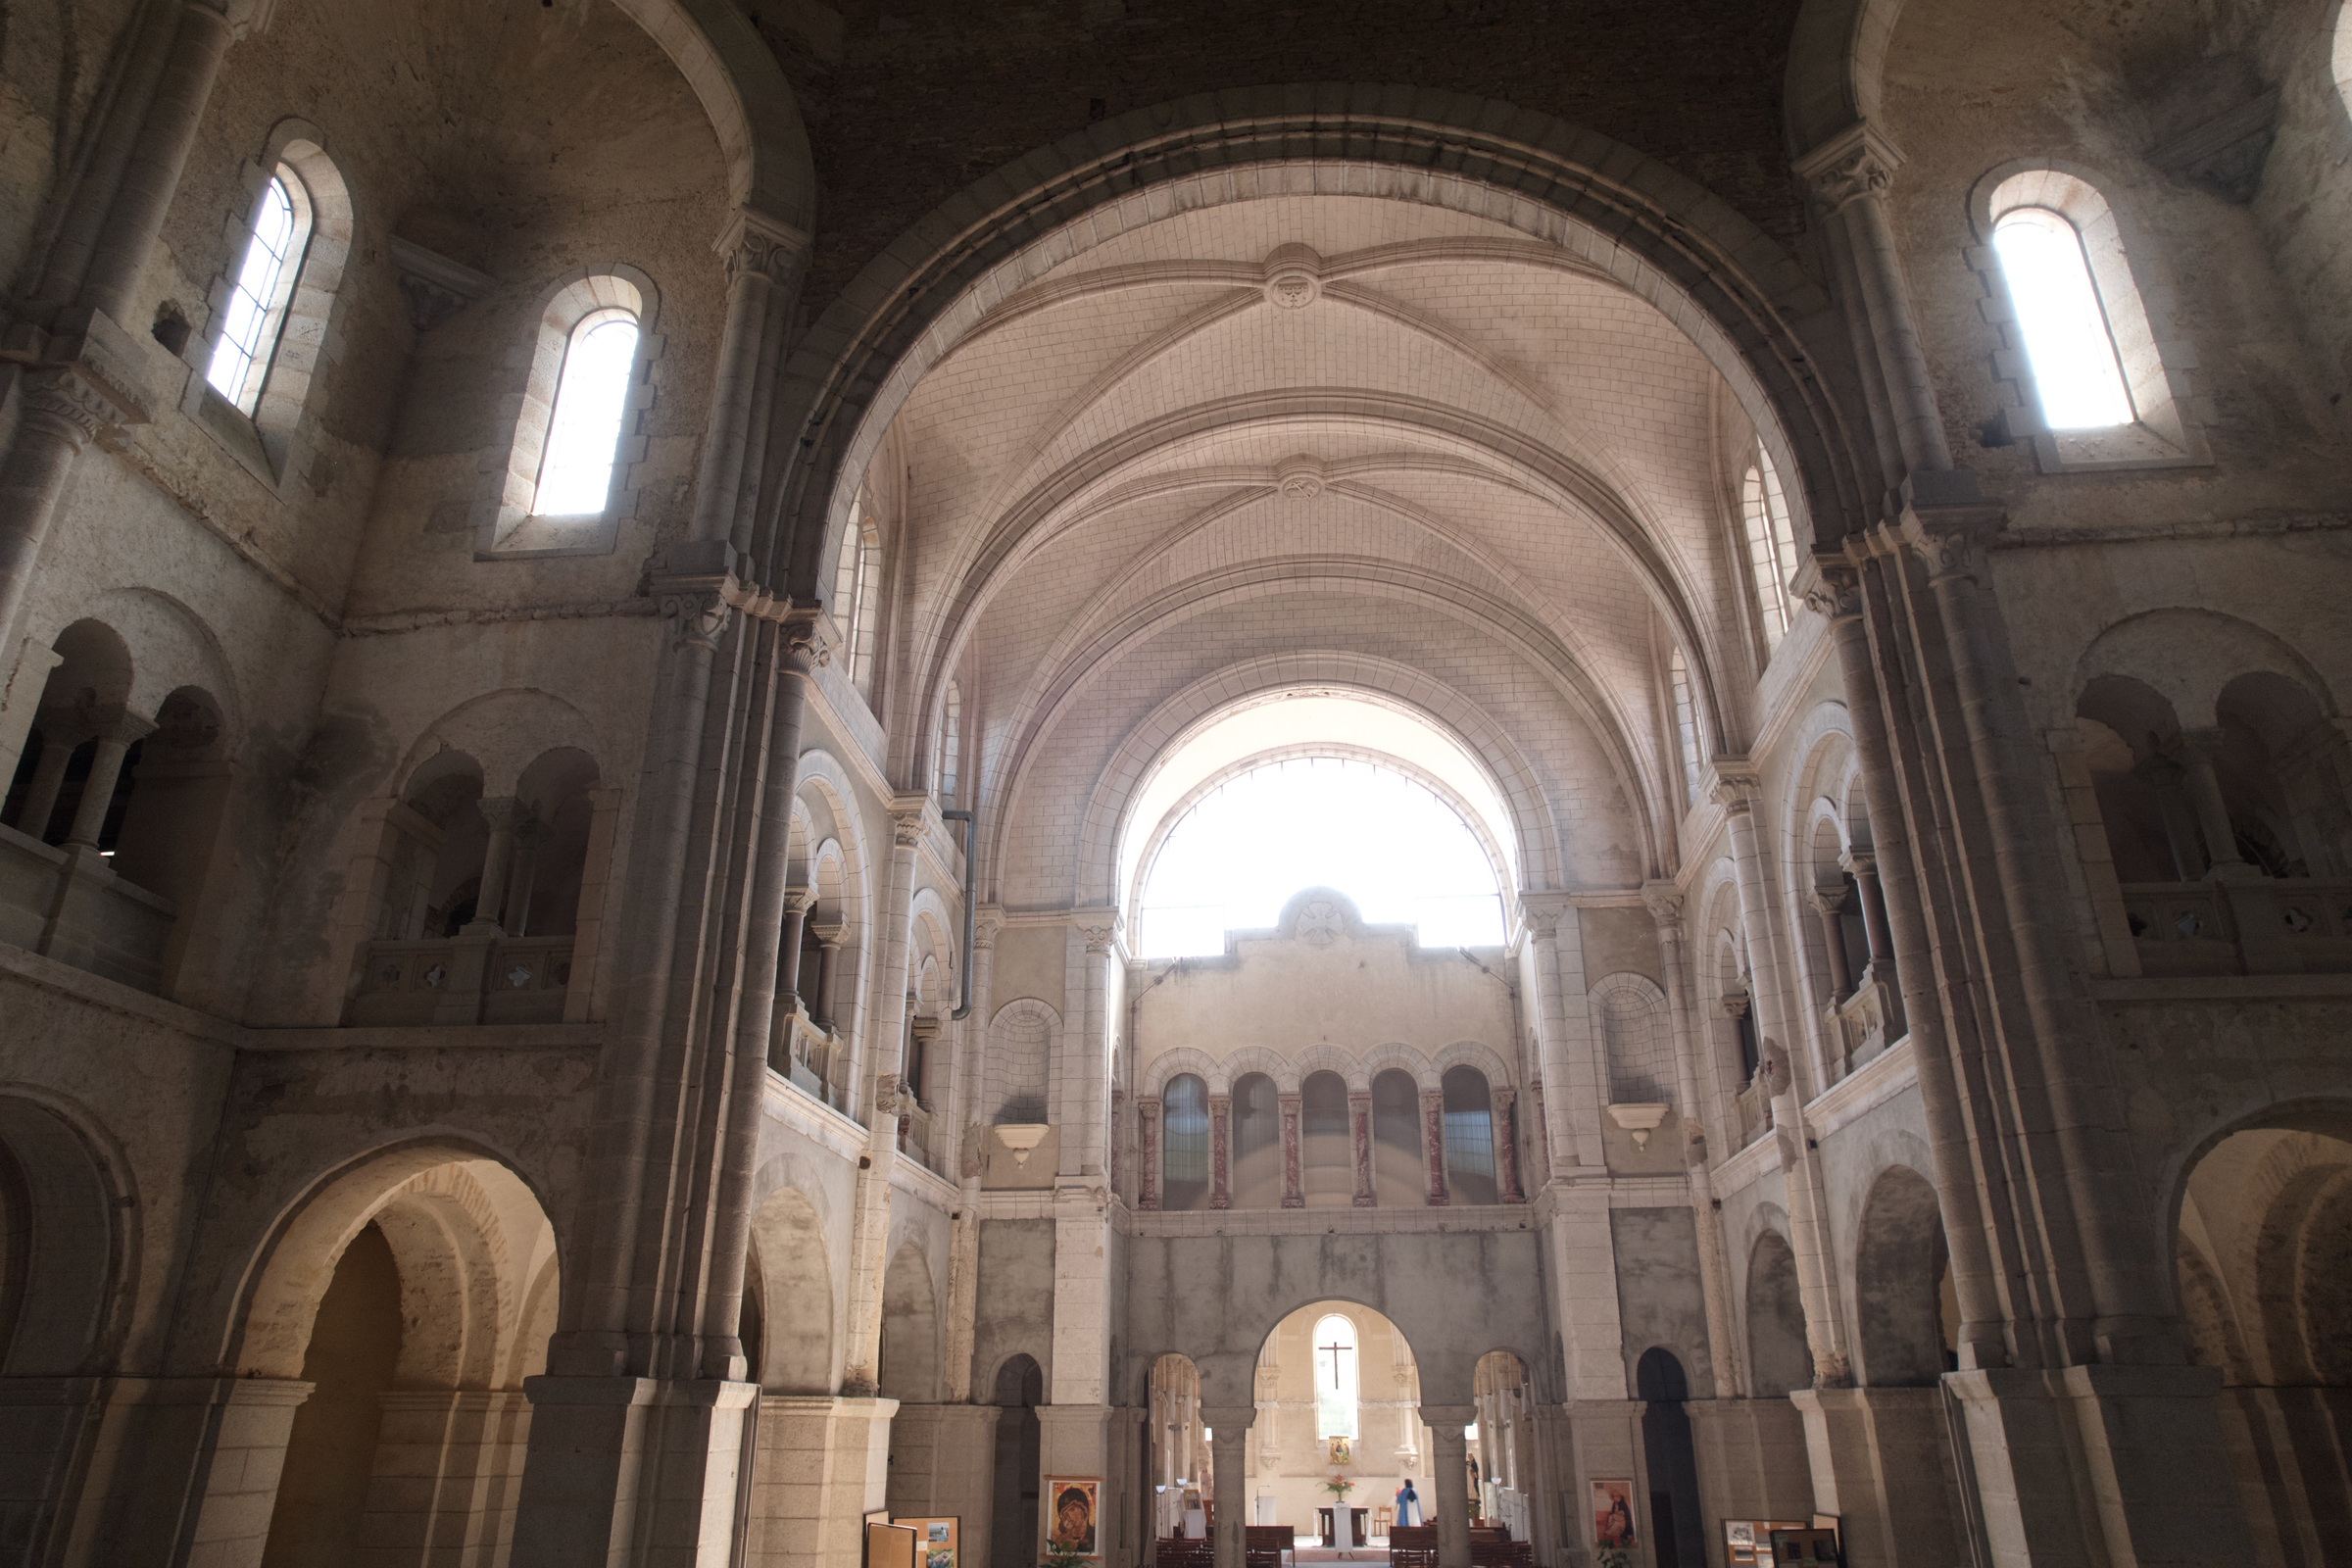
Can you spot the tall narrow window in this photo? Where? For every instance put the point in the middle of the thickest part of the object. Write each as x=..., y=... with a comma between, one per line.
x=1184, y=1168
x=1336, y=1374
x=1686, y=723
x=951, y=744
x=855, y=591
x=264, y=287
x=1771, y=545
x=1469, y=1137
x=575, y=479
x=2059, y=313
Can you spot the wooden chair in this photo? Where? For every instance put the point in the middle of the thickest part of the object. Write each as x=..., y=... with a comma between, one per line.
x=1262, y=1546
x=1413, y=1546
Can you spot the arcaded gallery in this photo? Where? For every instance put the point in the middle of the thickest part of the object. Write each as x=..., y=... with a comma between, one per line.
x=992, y=783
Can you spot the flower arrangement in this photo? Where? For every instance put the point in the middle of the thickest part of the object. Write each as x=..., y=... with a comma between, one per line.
x=1339, y=1486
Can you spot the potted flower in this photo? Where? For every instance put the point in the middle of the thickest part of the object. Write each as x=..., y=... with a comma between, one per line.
x=1339, y=1486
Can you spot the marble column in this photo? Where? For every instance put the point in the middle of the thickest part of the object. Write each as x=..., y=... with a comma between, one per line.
x=1829, y=905
x=1432, y=1143
x=1147, y=1136
x=1449, y=1479
x=1220, y=1151
x=1294, y=1190
x=829, y=938
x=798, y=902
x=506, y=817
x=62, y=731
x=2197, y=749
x=117, y=734
x=1359, y=1131
x=1864, y=869
x=1506, y=1144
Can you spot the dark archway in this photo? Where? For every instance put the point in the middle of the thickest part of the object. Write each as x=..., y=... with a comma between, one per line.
x=1678, y=1529
x=1778, y=1360
x=1901, y=1272
x=1020, y=1390
x=323, y=1493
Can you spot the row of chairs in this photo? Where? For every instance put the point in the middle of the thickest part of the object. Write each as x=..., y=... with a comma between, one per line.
x=1409, y=1546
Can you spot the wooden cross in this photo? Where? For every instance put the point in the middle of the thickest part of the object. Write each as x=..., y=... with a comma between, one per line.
x=1335, y=1348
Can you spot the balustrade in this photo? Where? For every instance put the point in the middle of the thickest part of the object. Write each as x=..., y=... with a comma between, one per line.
x=463, y=980
x=2267, y=925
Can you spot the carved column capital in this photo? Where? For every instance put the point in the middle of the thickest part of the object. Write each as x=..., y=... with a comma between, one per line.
x=1858, y=863
x=1827, y=901
x=1831, y=586
x=1734, y=784
x=1665, y=900
x=755, y=244
x=799, y=900
x=697, y=617
x=1544, y=913
x=1734, y=1005
x=1856, y=163
x=906, y=825
x=809, y=637
x=1951, y=540
x=986, y=923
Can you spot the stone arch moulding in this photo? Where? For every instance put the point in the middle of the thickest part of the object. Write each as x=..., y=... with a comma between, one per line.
x=1510, y=770
x=1729, y=286
x=78, y=1301
x=2148, y=645
x=742, y=88
x=261, y=1311
x=2329, y=1114
x=1169, y=1065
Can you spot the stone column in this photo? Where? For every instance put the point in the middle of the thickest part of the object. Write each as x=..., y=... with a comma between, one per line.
x=1566, y=1066
x=62, y=731
x=798, y=902
x=117, y=733
x=1735, y=790
x=92, y=373
x=829, y=938
x=1086, y=1079
x=869, y=1236
x=1147, y=1113
x=1665, y=901
x=1829, y=905
x=1294, y=1190
x=1864, y=869
x=1849, y=176
x=1432, y=1143
x=2197, y=749
x=765, y=258
x=1220, y=1148
x=1228, y=1443
x=1359, y=1129
x=1449, y=1477
x=1506, y=1145
x=506, y=817
x=529, y=839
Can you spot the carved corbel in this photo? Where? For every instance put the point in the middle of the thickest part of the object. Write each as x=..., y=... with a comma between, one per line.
x=1831, y=586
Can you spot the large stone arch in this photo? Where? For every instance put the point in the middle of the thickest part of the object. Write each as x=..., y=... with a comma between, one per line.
x=742, y=88
x=1899, y=1260
x=794, y=1275
x=1836, y=56
x=908, y=1362
x=68, y=1268
x=1746, y=304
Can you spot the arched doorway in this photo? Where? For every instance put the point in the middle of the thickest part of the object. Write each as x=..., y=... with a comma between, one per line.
x=1677, y=1528
x=1020, y=1390
x=417, y=1293
x=2262, y=1253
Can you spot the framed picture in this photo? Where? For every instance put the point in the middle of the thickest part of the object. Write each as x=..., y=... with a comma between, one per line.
x=1342, y=1451
x=1613, y=1514
x=1070, y=1512
x=939, y=1542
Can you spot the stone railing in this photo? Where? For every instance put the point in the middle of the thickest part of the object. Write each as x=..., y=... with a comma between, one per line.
x=2261, y=925
x=463, y=980
x=811, y=1056
x=1863, y=1025
x=69, y=905
x=1752, y=1107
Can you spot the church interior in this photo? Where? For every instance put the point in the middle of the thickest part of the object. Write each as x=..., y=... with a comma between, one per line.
x=1171, y=782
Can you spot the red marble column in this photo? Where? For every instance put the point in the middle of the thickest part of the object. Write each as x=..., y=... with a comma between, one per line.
x=1359, y=1126
x=1220, y=1151
x=1506, y=1147
x=1294, y=1183
x=1147, y=1151
x=1433, y=1143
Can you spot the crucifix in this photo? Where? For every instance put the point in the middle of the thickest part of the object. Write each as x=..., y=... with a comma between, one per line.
x=1335, y=1348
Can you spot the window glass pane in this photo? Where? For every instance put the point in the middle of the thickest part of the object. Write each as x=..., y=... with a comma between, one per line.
x=249, y=325
x=2063, y=324
x=1184, y=1155
x=591, y=399
x=1336, y=1373
x=1469, y=1138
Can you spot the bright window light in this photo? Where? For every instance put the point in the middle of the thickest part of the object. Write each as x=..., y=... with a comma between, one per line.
x=1384, y=838
x=257, y=300
x=1771, y=545
x=575, y=479
x=2064, y=325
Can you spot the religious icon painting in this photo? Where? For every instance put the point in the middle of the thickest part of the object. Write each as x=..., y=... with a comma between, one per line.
x=1342, y=1451
x=1071, y=1513
x=1613, y=1514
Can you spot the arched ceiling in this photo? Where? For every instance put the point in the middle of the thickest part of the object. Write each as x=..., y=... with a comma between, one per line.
x=1185, y=439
